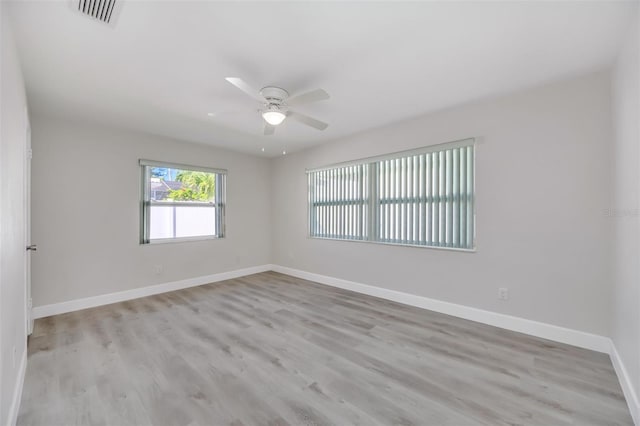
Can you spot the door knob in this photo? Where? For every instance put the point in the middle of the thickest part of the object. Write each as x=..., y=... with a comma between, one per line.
x=32, y=247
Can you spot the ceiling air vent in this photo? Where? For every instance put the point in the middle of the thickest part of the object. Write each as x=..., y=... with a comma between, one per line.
x=102, y=10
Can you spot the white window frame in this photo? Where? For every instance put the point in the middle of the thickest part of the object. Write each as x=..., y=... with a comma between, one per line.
x=372, y=184
x=219, y=203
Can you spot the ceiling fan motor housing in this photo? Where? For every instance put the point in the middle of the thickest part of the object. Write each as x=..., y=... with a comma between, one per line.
x=274, y=95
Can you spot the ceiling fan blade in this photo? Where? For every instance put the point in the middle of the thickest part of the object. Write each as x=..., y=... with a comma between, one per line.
x=305, y=98
x=242, y=85
x=230, y=112
x=269, y=129
x=307, y=120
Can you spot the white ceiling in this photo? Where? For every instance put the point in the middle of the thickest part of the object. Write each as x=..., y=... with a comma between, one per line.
x=161, y=69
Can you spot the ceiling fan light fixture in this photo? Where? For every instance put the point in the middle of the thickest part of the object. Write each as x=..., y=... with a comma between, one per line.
x=273, y=117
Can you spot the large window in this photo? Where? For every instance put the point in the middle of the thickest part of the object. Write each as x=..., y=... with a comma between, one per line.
x=422, y=197
x=181, y=202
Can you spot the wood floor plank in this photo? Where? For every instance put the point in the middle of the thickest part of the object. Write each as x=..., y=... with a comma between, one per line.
x=271, y=349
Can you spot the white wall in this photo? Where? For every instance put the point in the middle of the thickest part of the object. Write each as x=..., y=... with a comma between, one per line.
x=86, y=218
x=13, y=124
x=543, y=179
x=626, y=207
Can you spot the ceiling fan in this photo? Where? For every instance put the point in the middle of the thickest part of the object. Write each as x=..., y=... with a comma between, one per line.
x=276, y=104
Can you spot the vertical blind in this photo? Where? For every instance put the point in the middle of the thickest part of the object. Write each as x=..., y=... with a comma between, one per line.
x=423, y=197
x=339, y=199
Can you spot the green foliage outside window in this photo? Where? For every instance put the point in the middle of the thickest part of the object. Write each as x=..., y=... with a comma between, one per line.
x=197, y=186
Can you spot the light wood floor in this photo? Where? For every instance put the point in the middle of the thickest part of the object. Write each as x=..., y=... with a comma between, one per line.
x=270, y=349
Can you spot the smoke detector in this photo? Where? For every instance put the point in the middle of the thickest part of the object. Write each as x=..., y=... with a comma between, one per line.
x=105, y=11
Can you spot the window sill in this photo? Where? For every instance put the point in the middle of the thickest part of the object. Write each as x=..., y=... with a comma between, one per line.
x=181, y=240
x=382, y=243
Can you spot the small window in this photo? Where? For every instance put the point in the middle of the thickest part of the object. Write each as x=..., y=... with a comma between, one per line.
x=181, y=202
x=423, y=197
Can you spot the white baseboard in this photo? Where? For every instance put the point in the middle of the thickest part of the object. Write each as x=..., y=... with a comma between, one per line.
x=121, y=296
x=627, y=385
x=17, y=391
x=534, y=328
x=521, y=325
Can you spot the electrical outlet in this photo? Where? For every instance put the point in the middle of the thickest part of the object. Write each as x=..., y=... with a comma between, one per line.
x=503, y=293
x=158, y=269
